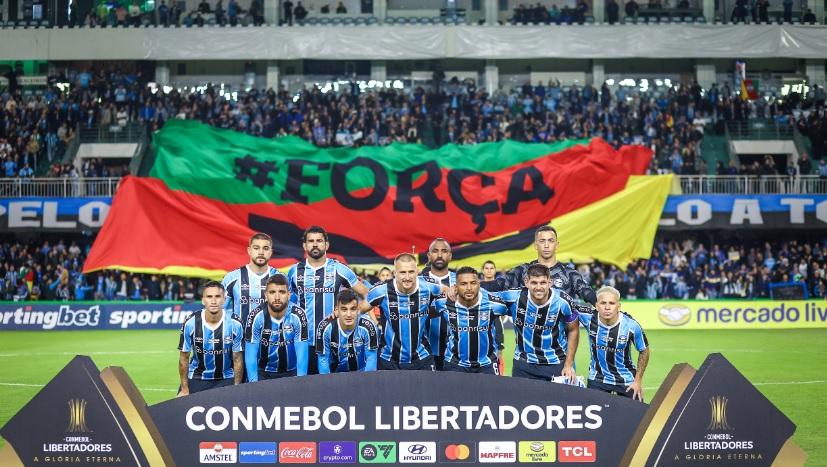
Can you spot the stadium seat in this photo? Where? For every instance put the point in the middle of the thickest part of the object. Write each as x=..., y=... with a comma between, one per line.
x=337, y=21
x=349, y=21
x=373, y=20
x=700, y=20
x=589, y=19
x=424, y=20
x=665, y=20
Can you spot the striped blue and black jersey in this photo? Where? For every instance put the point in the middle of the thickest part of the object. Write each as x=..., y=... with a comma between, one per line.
x=438, y=327
x=540, y=329
x=611, y=348
x=471, y=332
x=316, y=289
x=277, y=338
x=246, y=290
x=211, y=349
x=344, y=350
x=404, y=319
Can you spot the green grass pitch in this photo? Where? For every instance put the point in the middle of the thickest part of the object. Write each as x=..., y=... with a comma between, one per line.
x=788, y=366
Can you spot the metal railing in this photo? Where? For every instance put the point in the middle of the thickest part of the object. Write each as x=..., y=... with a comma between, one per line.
x=64, y=187
x=752, y=184
x=758, y=129
x=112, y=134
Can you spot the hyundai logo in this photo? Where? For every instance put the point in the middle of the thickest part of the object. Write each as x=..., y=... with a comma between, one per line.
x=417, y=449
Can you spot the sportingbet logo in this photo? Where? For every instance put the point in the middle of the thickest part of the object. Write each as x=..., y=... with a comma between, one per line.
x=297, y=453
x=172, y=315
x=63, y=317
x=577, y=451
x=217, y=453
x=257, y=453
x=498, y=451
x=377, y=452
x=417, y=452
x=538, y=451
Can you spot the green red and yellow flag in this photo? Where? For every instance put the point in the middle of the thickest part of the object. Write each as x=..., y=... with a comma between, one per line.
x=209, y=190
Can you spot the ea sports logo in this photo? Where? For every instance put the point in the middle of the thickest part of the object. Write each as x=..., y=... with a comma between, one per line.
x=369, y=452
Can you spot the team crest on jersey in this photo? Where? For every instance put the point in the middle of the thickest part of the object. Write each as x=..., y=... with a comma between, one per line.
x=287, y=328
x=622, y=339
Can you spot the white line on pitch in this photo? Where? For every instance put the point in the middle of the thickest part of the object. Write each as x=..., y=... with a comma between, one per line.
x=125, y=352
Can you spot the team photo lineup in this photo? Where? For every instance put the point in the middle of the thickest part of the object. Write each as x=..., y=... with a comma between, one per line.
x=319, y=318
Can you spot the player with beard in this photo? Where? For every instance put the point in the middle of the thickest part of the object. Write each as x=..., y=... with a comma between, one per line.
x=245, y=285
x=471, y=341
x=316, y=281
x=545, y=326
x=405, y=304
x=563, y=277
x=439, y=256
x=277, y=336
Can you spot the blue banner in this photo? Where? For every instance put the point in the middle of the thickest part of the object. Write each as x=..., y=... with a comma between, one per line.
x=29, y=316
x=680, y=212
x=53, y=214
x=683, y=212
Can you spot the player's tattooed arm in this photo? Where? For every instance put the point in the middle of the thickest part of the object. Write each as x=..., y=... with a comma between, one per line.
x=637, y=386
x=238, y=367
x=183, y=367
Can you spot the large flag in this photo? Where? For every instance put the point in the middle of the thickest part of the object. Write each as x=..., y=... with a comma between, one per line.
x=209, y=190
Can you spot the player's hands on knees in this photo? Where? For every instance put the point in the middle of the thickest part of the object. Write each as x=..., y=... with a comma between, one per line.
x=569, y=374
x=637, y=391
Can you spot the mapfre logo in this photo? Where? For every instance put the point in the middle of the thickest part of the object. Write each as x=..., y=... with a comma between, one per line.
x=576, y=451
x=297, y=453
x=220, y=452
x=497, y=451
x=417, y=452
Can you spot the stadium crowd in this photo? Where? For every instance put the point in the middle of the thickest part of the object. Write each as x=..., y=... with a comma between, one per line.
x=36, y=128
x=686, y=269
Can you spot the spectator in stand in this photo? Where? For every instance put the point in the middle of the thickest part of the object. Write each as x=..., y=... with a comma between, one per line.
x=612, y=11
x=163, y=14
x=631, y=9
x=788, y=10
x=809, y=17
x=288, y=12
x=340, y=9
x=233, y=11
x=300, y=12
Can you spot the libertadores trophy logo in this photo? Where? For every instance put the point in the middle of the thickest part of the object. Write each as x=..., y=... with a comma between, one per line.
x=717, y=418
x=77, y=416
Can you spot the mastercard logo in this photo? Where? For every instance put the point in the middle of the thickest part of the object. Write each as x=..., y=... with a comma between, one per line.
x=457, y=452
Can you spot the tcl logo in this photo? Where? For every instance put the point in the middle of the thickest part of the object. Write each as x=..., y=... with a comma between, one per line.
x=297, y=453
x=577, y=451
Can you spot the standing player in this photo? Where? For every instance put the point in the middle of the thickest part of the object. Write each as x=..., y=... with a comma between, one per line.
x=612, y=333
x=439, y=256
x=245, y=285
x=277, y=336
x=490, y=283
x=563, y=277
x=347, y=341
x=316, y=281
x=471, y=341
x=546, y=328
x=405, y=303
x=210, y=345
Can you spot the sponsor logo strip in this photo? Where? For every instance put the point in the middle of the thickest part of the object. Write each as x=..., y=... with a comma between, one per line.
x=577, y=451
x=297, y=453
x=537, y=451
x=419, y=452
x=217, y=452
x=377, y=452
x=497, y=451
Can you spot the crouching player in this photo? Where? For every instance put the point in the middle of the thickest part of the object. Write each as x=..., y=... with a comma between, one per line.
x=346, y=341
x=612, y=333
x=277, y=336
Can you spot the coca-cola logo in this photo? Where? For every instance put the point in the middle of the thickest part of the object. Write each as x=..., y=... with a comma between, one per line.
x=297, y=453
x=300, y=453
